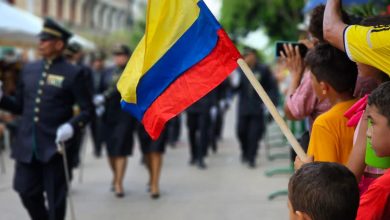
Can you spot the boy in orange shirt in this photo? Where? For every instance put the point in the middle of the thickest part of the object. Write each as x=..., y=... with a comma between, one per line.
x=333, y=77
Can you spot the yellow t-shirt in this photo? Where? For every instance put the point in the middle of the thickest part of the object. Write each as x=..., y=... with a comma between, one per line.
x=331, y=140
x=369, y=45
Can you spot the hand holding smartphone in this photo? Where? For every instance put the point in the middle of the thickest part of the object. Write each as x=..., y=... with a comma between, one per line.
x=279, y=48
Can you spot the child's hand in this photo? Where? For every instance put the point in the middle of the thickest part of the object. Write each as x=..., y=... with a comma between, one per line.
x=298, y=163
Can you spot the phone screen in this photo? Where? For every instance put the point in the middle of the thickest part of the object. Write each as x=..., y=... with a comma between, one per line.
x=279, y=48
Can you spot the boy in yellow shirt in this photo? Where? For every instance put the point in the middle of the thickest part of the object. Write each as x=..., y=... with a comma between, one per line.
x=333, y=78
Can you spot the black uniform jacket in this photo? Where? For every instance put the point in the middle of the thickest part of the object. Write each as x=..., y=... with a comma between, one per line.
x=46, y=92
x=249, y=101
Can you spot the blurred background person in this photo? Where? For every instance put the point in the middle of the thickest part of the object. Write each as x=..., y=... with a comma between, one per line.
x=199, y=127
x=75, y=55
x=251, y=121
x=98, y=70
x=223, y=103
x=118, y=126
x=10, y=68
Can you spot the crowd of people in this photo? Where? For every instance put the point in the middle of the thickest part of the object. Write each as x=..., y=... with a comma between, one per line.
x=340, y=87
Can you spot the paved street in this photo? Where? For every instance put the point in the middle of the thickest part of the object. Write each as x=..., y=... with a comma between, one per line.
x=226, y=190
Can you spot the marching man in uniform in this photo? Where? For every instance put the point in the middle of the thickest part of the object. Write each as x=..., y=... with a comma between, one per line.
x=46, y=93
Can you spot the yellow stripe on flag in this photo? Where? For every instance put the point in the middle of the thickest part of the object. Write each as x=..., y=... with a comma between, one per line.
x=166, y=22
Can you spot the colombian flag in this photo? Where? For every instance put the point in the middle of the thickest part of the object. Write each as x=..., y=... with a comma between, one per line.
x=183, y=55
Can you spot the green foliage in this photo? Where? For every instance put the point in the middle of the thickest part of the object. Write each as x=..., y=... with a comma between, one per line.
x=137, y=33
x=366, y=10
x=279, y=18
x=105, y=41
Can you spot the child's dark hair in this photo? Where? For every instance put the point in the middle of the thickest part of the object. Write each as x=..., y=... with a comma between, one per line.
x=317, y=19
x=324, y=191
x=380, y=98
x=332, y=66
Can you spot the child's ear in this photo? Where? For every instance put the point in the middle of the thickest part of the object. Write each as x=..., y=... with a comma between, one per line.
x=302, y=215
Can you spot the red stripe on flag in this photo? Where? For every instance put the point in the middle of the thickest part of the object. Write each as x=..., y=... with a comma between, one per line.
x=192, y=85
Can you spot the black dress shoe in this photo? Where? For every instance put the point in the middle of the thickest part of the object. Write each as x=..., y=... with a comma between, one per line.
x=155, y=195
x=192, y=162
x=120, y=194
x=202, y=165
x=252, y=164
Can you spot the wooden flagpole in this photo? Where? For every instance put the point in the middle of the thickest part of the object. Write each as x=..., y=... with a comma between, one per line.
x=272, y=109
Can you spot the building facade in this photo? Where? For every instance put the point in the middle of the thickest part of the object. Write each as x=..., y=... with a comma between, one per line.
x=90, y=15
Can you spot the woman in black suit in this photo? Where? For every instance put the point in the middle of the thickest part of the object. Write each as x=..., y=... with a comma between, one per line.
x=118, y=126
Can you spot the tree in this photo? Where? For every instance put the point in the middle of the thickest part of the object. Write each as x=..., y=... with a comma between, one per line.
x=279, y=18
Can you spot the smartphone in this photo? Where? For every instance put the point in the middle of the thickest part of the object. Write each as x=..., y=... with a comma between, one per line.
x=279, y=48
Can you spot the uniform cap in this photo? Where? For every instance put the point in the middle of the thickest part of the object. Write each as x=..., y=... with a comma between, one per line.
x=73, y=48
x=98, y=55
x=121, y=49
x=53, y=30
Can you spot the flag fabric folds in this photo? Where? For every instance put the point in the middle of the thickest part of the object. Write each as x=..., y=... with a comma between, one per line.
x=183, y=55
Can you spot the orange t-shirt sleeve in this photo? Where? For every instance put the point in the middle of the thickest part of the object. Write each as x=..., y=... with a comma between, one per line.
x=323, y=144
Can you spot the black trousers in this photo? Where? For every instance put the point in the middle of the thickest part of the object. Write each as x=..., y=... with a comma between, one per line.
x=250, y=130
x=174, y=129
x=199, y=132
x=36, y=181
x=73, y=147
x=96, y=131
x=219, y=123
x=216, y=129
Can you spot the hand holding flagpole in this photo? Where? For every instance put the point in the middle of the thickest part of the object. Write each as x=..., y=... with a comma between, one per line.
x=272, y=109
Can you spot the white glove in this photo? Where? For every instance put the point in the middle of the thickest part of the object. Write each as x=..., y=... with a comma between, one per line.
x=213, y=113
x=64, y=133
x=99, y=110
x=235, y=79
x=98, y=100
x=222, y=104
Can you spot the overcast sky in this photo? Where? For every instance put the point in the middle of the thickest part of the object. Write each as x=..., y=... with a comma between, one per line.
x=215, y=7
x=256, y=39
